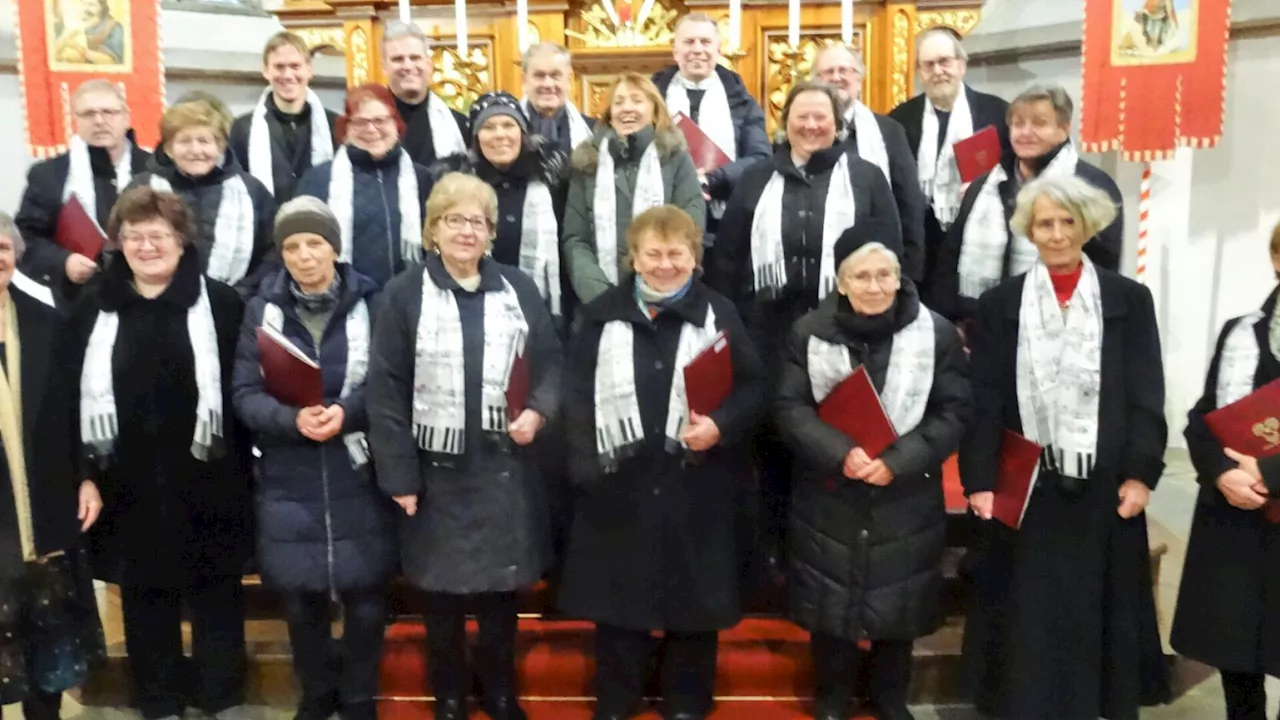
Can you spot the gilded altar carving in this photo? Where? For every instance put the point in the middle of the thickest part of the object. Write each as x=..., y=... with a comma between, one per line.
x=605, y=23
x=460, y=80
x=900, y=87
x=595, y=93
x=784, y=66
x=319, y=37
x=962, y=21
x=359, y=67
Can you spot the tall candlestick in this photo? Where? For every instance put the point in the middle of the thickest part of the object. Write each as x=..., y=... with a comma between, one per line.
x=522, y=24
x=404, y=10
x=793, y=23
x=460, y=21
x=846, y=21
x=735, y=23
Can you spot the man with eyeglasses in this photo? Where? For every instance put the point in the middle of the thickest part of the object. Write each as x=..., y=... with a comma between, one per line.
x=881, y=141
x=948, y=111
x=548, y=70
x=433, y=130
x=100, y=161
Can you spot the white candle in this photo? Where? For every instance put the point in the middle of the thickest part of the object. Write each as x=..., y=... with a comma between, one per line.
x=735, y=23
x=846, y=21
x=460, y=21
x=522, y=24
x=793, y=23
x=404, y=10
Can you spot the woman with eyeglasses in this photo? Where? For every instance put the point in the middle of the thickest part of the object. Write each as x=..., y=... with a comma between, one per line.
x=464, y=373
x=374, y=188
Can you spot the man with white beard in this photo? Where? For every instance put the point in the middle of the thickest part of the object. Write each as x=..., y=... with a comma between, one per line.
x=881, y=141
x=548, y=72
x=948, y=111
x=433, y=130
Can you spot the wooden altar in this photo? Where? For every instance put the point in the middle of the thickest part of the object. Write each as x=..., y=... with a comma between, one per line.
x=603, y=44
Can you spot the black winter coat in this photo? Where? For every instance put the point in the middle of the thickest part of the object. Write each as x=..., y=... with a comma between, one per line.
x=1063, y=623
x=376, y=212
x=51, y=436
x=37, y=218
x=1104, y=249
x=904, y=179
x=169, y=520
x=322, y=523
x=563, y=135
x=418, y=131
x=290, y=145
x=804, y=207
x=482, y=519
x=652, y=545
x=865, y=560
x=203, y=196
x=1230, y=595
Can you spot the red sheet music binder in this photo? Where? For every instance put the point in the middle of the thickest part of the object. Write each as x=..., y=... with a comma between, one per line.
x=289, y=375
x=706, y=154
x=76, y=230
x=854, y=409
x=1251, y=425
x=519, y=385
x=1019, y=465
x=708, y=378
x=978, y=154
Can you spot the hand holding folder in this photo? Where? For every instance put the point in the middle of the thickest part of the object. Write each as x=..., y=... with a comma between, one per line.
x=708, y=378
x=706, y=154
x=77, y=231
x=1250, y=426
x=288, y=374
x=519, y=385
x=1016, y=478
x=977, y=154
x=854, y=409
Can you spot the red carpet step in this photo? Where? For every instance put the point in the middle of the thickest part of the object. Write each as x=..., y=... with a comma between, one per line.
x=570, y=710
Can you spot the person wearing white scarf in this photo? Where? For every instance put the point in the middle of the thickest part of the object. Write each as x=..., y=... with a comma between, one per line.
x=548, y=79
x=433, y=130
x=1068, y=356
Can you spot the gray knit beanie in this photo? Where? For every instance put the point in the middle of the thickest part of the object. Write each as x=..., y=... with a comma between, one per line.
x=307, y=214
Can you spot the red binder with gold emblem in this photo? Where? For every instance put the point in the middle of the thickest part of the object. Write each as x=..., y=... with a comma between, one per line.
x=1251, y=425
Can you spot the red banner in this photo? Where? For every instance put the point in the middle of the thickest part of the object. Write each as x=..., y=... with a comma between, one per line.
x=1154, y=75
x=62, y=43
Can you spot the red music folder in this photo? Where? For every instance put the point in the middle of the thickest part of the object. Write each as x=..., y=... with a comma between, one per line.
x=77, y=231
x=519, y=385
x=854, y=409
x=977, y=154
x=1019, y=465
x=1251, y=425
x=288, y=374
x=706, y=154
x=708, y=378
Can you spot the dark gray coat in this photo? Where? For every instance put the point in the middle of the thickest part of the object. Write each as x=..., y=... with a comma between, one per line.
x=482, y=519
x=865, y=561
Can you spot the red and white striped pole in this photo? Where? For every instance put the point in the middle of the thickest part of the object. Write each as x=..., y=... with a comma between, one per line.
x=1144, y=223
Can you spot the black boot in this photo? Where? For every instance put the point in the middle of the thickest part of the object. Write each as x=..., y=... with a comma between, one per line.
x=41, y=705
x=496, y=655
x=890, y=679
x=835, y=662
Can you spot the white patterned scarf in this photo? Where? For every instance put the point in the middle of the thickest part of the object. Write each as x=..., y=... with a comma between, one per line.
x=579, y=130
x=1238, y=365
x=540, y=243
x=715, y=118
x=768, y=256
x=987, y=233
x=260, y=159
x=80, y=175
x=342, y=183
x=649, y=192
x=446, y=137
x=357, y=365
x=1059, y=369
x=939, y=174
x=233, y=229
x=99, y=424
x=619, y=430
x=439, y=373
x=870, y=140
x=908, y=379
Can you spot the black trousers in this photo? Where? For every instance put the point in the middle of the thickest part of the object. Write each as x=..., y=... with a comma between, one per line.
x=41, y=705
x=162, y=685
x=837, y=662
x=774, y=461
x=1245, y=694
x=687, y=667
x=331, y=673
x=495, y=652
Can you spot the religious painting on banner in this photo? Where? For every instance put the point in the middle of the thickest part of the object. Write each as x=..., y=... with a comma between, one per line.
x=62, y=43
x=1154, y=73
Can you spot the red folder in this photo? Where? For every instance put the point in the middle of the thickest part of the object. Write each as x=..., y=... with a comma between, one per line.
x=706, y=154
x=977, y=154
x=708, y=378
x=854, y=409
x=519, y=385
x=1251, y=425
x=289, y=375
x=77, y=231
x=1019, y=465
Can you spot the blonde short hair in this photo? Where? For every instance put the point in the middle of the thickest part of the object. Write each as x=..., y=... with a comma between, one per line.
x=669, y=223
x=1092, y=208
x=451, y=191
x=194, y=113
x=863, y=252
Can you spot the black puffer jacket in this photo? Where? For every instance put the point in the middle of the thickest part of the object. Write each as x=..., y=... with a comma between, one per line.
x=865, y=559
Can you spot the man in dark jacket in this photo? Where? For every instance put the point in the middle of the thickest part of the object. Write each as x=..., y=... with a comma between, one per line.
x=548, y=71
x=289, y=131
x=100, y=160
x=880, y=140
x=717, y=101
x=406, y=59
x=947, y=111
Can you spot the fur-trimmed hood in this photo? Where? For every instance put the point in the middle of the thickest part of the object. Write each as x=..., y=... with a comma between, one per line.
x=587, y=155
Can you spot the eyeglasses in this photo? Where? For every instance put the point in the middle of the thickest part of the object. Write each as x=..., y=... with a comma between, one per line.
x=942, y=63
x=883, y=278
x=104, y=113
x=382, y=123
x=454, y=221
x=840, y=70
x=156, y=239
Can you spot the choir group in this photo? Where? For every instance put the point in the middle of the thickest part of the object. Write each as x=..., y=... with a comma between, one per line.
x=488, y=320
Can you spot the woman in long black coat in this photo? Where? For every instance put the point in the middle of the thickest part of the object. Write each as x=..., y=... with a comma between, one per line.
x=652, y=542
x=1063, y=624
x=868, y=532
x=1230, y=594
x=474, y=529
